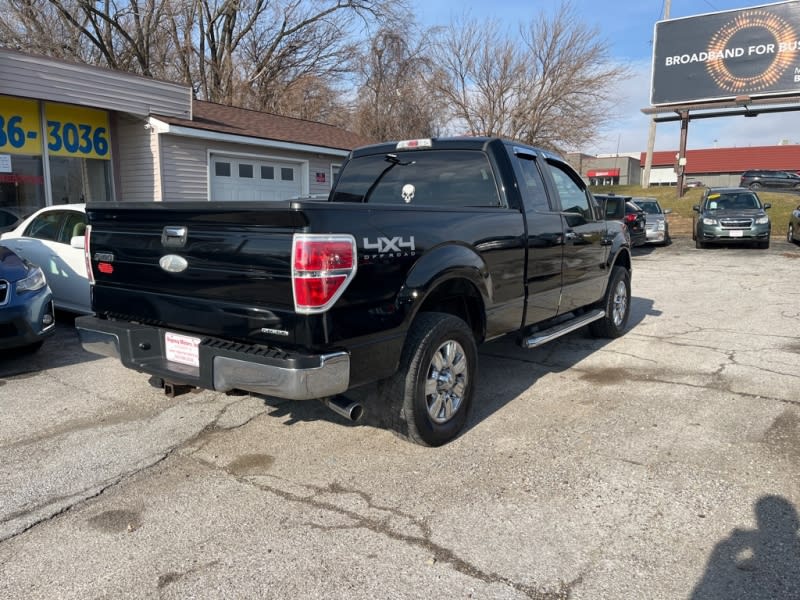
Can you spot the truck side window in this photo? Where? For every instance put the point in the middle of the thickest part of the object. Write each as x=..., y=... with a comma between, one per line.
x=531, y=185
x=572, y=192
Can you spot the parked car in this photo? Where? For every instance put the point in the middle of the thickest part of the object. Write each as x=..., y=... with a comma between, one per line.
x=757, y=179
x=622, y=208
x=26, y=303
x=693, y=183
x=52, y=238
x=656, y=224
x=731, y=215
x=9, y=219
x=793, y=231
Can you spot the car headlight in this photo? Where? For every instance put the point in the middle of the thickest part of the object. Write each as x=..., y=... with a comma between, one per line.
x=34, y=281
x=708, y=221
x=762, y=220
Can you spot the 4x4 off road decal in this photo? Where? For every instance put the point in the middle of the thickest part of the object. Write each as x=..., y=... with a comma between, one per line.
x=384, y=247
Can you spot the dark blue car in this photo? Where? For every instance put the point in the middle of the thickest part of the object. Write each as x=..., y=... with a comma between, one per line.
x=26, y=304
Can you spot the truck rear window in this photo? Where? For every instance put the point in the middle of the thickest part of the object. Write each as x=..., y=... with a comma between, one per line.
x=458, y=178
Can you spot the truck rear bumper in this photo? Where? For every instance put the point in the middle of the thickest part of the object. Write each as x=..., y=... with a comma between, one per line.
x=222, y=365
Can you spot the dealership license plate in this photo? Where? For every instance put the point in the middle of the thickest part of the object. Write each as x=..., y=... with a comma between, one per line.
x=182, y=349
x=736, y=233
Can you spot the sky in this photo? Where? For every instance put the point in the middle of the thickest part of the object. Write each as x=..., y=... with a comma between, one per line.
x=627, y=27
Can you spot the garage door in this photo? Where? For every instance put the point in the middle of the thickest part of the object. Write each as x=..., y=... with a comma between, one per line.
x=251, y=179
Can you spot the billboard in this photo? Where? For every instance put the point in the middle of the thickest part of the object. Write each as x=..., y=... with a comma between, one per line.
x=718, y=56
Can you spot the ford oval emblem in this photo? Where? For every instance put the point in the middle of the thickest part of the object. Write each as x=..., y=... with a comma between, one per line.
x=172, y=263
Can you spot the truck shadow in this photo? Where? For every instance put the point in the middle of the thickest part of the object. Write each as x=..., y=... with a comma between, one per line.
x=506, y=371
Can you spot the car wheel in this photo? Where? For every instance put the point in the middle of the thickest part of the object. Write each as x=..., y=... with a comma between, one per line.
x=430, y=395
x=617, y=304
x=698, y=244
x=764, y=245
x=755, y=186
x=790, y=234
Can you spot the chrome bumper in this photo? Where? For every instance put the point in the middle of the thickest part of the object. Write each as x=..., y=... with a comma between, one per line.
x=295, y=377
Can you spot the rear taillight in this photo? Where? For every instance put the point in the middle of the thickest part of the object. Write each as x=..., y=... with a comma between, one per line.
x=322, y=268
x=630, y=218
x=87, y=254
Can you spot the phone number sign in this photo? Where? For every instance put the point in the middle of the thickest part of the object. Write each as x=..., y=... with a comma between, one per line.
x=69, y=130
x=20, y=126
x=77, y=131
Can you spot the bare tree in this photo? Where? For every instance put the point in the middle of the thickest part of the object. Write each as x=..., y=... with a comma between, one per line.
x=394, y=99
x=252, y=53
x=553, y=86
x=37, y=26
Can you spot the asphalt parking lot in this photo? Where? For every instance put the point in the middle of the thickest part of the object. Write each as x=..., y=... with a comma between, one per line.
x=663, y=464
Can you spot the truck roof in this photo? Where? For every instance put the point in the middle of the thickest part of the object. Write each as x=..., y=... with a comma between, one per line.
x=445, y=143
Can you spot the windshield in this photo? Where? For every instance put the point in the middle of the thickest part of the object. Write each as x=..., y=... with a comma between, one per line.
x=732, y=201
x=651, y=207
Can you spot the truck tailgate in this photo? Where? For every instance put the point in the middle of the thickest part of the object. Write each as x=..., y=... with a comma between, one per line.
x=236, y=278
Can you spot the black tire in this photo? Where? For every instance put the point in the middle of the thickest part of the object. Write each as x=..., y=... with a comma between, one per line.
x=790, y=234
x=617, y=304
x=698, y=244
x=764, y=245
x=437, y=416
x=755, y=186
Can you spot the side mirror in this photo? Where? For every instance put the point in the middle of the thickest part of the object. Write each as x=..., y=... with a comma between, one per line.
x=696, y=208
x=767, y=205
x=78, y=241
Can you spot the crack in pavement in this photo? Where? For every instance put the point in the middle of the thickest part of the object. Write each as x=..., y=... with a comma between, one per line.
x=85, y=495
x=382, y=526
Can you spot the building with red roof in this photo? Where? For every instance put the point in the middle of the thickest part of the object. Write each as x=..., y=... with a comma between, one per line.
x=712, y=166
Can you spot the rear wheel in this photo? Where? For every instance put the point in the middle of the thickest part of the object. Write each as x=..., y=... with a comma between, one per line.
x=617, y=304
x=430, y=395
x=755, y=186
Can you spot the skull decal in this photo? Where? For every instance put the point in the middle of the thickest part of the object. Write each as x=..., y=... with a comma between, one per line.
x=408, y=192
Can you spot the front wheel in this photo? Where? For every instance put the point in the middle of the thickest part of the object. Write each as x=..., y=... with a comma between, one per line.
x=790, y=234
x=617, y=304
x=698, y=244
x=430, y=395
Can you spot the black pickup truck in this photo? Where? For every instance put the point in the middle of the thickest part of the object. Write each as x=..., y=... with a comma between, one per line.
x=424, y=249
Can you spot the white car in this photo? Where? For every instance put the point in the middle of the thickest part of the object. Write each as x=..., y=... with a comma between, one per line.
x=53, y=238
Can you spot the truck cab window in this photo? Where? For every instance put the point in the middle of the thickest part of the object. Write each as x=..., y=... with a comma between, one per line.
x=572, y=192
x=455, y=178
x=531, y=185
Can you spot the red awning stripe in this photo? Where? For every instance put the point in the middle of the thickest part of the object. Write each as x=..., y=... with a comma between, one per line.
x=603, y=173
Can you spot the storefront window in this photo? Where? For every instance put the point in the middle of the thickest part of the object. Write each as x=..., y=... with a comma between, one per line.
x=75, y=141
x=77, y=180
x=21, y=184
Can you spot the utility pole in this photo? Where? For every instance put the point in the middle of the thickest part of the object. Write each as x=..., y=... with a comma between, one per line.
x=651, y=138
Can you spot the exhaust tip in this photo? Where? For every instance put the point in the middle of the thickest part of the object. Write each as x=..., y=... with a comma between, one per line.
x=352, y=411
